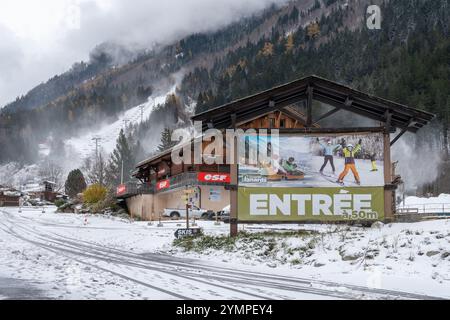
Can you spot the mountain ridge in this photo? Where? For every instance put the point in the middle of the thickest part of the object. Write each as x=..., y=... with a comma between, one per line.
x=276, y=45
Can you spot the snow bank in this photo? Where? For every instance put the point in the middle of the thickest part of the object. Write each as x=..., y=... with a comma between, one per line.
x=410, y=257
x=14, y=174
x=405, y=257
x=437, y=205
x=442, y=199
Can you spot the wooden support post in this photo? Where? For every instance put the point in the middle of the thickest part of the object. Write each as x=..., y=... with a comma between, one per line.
x=278, y=118
x=399, y=136
x=233, y=200
x=187, y=214
x=404, y=130
x=234, y=183
x=388, y=193
x=309, y=102
x=152, y=209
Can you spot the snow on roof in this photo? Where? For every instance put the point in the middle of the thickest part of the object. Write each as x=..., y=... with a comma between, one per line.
x=12, y=193
x=32, y=187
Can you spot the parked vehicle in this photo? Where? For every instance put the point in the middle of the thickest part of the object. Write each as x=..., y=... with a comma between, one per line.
x=223, y=214
x=194, y=211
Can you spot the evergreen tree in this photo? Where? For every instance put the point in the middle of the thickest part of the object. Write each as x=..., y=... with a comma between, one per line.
x=122, y=157
x=166, y=140
x=75, y=183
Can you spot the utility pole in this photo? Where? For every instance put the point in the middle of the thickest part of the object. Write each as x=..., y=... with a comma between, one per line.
x=121, y=173
x=125, y=123
x=142, y=113
x=96, y=139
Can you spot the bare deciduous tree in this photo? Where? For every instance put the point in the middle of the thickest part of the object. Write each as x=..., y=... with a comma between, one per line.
x=51, y=171
x=94, y=169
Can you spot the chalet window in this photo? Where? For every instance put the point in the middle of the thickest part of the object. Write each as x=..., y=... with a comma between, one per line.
x=271, y=122
x=282, y=123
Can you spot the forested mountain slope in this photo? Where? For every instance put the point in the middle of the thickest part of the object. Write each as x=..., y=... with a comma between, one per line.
x=102, y=88
x=407, y=60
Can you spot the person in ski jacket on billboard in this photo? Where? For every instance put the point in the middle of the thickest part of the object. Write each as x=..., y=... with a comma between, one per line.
x=349, y=153
x=291, y=167
x=373, y=159
x=328, y=152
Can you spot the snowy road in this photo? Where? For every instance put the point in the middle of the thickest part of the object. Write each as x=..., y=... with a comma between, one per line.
x=64, y=258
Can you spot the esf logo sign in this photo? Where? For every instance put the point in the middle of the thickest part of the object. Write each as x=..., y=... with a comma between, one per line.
x=373, y=21
x=164, y=184
x=211, y=177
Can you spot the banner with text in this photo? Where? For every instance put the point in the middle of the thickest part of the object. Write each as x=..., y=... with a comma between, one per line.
x=310, y=204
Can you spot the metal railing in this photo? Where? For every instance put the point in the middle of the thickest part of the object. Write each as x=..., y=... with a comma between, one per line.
x=182, y=179
x=428, y=208
x=177, y=181
x=132, y=188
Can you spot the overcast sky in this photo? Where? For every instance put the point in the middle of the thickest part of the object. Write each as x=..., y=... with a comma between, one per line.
x=39, y=39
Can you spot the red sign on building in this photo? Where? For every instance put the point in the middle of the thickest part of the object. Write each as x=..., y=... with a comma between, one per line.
x=214, y=177
x=163, y=184
x=121, y=189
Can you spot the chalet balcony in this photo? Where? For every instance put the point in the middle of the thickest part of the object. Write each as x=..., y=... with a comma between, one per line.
x=178, y=181
x=130, y=189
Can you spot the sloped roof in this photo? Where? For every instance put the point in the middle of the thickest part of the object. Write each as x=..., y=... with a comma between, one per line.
x=323, y=90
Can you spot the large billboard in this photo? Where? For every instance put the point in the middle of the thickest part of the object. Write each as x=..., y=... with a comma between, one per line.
x=311, y=178
x=310, y=204
x=315, y=161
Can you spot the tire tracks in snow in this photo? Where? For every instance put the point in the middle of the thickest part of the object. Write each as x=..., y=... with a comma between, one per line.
x=196, y=271
x=67, y=250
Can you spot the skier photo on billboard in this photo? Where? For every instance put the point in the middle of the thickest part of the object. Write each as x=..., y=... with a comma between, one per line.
x=328, y=150
x=349, y=152
x=373, y=160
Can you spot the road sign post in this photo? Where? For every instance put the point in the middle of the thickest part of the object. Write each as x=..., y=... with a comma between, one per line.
x=183, y=233
x=186, y=197
x=187, y=215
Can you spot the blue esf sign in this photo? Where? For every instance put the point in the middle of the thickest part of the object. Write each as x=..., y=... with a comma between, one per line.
x=191, y=232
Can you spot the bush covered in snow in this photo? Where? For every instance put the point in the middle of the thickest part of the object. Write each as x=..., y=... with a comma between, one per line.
x=268, y=244
x=402, y=248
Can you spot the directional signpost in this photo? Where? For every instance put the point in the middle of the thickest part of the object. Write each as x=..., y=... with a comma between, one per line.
x=186, y=198
x=183, y=233
x=188, y=232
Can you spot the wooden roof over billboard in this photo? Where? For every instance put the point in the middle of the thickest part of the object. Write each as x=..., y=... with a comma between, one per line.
x=311, y=88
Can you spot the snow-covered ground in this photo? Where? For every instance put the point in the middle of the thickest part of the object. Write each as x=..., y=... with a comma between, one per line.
x=49, y=255
x=439, y=204
x=14, y=174
x=83, y=145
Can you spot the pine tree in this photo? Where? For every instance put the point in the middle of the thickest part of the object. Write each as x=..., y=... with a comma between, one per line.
x=166, y=140
x=75, y=183
x=123, y=155
x=294, y=14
